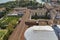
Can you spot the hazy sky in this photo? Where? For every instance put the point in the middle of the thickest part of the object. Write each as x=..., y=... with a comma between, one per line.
x=3, y=1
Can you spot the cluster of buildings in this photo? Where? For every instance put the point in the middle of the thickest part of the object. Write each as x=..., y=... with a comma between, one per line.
x=40, y=29
x=52, y=12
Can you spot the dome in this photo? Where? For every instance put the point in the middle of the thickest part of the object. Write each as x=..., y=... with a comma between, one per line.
x=40, y=33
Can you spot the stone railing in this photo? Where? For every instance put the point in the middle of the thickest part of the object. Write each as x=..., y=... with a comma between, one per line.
x=57, y=21
x=45, y=22
x=39, y=22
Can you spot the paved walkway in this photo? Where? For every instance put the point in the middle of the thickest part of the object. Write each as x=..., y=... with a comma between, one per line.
x=18, y=33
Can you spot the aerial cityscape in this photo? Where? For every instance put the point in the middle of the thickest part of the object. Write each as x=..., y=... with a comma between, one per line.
x=30, y=20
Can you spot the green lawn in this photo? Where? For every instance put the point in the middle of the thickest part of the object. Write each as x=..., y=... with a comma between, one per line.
x=9, y=20
x=7, y=23
x=2, y=33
